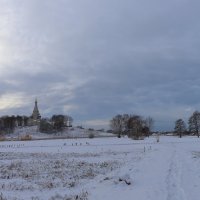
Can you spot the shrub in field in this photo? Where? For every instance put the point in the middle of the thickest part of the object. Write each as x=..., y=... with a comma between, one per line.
x=91, y=135
x=2, y=138
x=26, y=137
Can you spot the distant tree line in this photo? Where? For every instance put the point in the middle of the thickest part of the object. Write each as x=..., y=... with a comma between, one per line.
x=54, y=124
x=181, y=129
x=8, y=123
x=134, y=126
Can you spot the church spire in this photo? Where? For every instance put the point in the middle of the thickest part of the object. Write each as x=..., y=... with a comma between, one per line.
x=36, y=114
x=35, y=102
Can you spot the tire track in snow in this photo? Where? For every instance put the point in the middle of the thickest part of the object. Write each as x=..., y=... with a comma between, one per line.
x=173, y=180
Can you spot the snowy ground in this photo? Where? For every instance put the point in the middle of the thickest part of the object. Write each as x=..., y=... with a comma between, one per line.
x=101, y=169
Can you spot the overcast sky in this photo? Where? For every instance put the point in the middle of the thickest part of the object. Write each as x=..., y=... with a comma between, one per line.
x=93, y=59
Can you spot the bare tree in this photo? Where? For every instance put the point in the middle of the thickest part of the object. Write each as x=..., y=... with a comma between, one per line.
x=135, y=126
x=194, y=123
x=125, y=118
x=149, y=122
x=132, y=125
x=68, y=120
x=58, y=122
x=117, y=124
x=180, y=127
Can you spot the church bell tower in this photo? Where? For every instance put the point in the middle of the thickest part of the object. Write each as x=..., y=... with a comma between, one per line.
x=35, y=117
x=36, y=114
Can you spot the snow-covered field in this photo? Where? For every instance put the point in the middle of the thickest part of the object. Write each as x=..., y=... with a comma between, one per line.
x=101, y=169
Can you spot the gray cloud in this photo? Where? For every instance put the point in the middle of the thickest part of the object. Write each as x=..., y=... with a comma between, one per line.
x=95, y=59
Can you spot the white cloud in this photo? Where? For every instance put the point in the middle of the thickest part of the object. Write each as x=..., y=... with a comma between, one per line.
x=12, y=100
x=70, y=108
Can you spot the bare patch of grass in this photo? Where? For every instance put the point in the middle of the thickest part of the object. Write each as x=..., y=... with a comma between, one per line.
x=2, y=138
x=26, y=137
